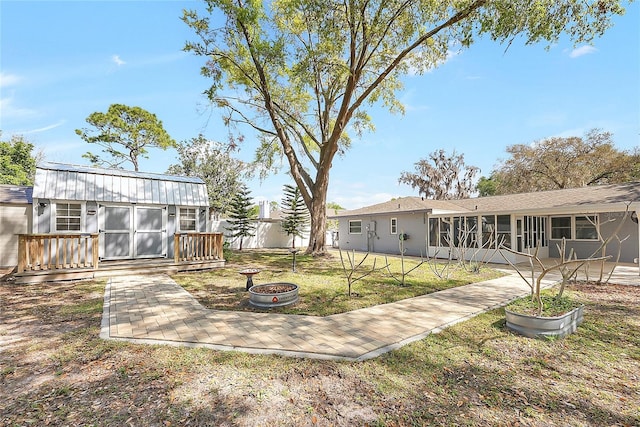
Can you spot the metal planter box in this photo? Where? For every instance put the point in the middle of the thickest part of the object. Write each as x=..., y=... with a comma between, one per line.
x=534, y=327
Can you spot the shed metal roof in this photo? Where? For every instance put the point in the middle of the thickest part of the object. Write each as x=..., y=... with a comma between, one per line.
x=70, y=182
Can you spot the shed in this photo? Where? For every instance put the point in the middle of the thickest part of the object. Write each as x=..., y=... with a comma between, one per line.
x=136, y=214
x=15, y=218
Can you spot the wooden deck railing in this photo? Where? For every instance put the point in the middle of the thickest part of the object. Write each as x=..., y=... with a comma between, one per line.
x=37, y=252
x=197, y=246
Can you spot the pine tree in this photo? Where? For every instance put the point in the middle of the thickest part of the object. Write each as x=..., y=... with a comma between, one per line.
x=240, y=216
x=296, y=215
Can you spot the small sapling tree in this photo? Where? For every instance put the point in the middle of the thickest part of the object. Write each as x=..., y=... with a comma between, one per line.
x=296, y=215
x=241, y=215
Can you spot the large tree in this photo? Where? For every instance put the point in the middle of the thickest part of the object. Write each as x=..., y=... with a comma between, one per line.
x=298, y=72
x=487, y=186
x=124, y=133
x=442, y=176
x=212, y=161
x=556, y=163
x=17, y=161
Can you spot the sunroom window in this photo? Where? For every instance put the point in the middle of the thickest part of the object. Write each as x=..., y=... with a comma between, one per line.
x=503, y=226
x=561, y=227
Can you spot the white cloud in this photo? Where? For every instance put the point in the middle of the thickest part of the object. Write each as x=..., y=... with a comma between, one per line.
x=582, y=50
x=116, y=59
x=9, y=79
x=43, y=129
x=9, y=110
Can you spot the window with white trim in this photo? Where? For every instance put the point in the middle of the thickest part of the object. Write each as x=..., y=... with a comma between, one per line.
x=188, y=219
x=586, y=227
x=394, y=226
x=68, y=216
x=561, y=227
x=355, y=226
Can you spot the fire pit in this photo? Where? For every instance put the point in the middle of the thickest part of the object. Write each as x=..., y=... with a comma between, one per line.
x=270, y=295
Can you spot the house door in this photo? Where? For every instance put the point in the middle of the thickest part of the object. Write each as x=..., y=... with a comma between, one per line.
x=116, y=232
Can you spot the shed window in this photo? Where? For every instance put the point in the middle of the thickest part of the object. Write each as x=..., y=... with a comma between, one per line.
x=355, y=227
x=188, y=219
x=561, y=227
x=68, y=216
x=394, y=225
x=586, y=228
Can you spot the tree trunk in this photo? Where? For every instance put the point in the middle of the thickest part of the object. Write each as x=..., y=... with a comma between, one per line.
x=317, y=236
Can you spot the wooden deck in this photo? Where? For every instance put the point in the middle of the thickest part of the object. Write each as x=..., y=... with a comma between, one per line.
x=49, y=257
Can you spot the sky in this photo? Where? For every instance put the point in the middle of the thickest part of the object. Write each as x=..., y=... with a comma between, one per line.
x=62, y=61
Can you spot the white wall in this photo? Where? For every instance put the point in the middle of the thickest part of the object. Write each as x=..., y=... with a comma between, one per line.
x=268, y=234
x=14, y=220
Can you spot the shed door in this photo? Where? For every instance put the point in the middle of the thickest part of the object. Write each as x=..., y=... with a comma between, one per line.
x=116, y=232
x=133, y=232
x=150, y=232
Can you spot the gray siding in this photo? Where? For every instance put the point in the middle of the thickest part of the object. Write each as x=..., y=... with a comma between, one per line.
x=381, y=240
x=584, y=249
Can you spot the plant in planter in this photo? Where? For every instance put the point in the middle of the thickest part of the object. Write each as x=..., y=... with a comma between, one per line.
x=555, y=315
x=549, y=313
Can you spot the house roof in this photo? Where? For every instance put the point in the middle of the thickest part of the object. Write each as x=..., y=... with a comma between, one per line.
x=70, y=182
x=592, y=198
x=400, y=205
x=16, y=194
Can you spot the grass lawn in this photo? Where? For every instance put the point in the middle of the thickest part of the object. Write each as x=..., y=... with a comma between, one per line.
x=322, y=281
x=55, y=370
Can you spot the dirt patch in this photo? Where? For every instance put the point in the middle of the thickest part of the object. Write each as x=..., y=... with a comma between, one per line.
x=55, y=370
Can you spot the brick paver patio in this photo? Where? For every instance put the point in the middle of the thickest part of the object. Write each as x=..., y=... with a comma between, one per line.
x=156, y=310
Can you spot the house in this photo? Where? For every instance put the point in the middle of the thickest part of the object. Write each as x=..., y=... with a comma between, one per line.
x=84, y=216
x=474, y=228
x=15, y=218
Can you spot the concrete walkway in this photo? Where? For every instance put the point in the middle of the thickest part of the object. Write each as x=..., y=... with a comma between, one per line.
x=156, y=310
